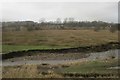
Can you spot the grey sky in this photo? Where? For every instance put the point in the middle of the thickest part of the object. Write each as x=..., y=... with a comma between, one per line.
x=83, y=11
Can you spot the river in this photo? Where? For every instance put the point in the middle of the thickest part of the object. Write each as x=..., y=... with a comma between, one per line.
x=93, y=56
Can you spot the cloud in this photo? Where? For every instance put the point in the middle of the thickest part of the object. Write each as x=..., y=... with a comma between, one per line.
x=104, y=11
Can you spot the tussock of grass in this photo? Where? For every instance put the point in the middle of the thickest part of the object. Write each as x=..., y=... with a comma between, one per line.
x=24, y=71
x=29, y=71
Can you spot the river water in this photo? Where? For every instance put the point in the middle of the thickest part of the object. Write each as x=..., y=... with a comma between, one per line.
x=93, y=56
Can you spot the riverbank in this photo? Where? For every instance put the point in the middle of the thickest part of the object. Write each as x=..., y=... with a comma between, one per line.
x=86, y=49
x=101, y=56
x=90, y=69
x=97, y=65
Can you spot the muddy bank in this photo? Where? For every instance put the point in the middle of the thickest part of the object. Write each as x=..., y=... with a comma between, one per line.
x=58, y=59
x=86, y=49
x=49, y=56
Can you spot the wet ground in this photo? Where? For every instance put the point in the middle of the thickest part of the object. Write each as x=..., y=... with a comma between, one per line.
x=61, y=58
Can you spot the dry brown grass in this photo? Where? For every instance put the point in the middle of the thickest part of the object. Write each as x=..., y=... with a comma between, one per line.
x=27, y=71
x=71, y=38
x=24, y=71
x=48, y=71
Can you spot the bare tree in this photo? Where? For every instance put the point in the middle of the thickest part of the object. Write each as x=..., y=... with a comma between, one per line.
x=71, y=19
x=65, y=20
x=42, y=20
x=58, y=20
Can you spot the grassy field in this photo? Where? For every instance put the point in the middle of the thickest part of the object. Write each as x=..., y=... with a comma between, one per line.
x=10, y=48
x=93, y=67
x=56, y=71
x=48, y=39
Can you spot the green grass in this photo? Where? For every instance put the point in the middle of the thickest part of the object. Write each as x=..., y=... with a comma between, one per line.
x=0, y=48
x=10, y=48
x=92, y=67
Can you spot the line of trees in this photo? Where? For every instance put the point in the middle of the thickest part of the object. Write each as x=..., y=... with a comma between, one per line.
x=67, y=23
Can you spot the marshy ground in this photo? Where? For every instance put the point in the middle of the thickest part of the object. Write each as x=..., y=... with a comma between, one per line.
x=52, y=39
x=83, y=69
x=100, y=64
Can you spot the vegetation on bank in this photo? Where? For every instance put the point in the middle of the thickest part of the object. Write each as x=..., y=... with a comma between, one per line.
x=52, y=39
x=11, y=48
x=93, y=67
x=85, y=69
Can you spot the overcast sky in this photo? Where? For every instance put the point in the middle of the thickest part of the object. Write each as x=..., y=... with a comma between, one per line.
x=83, y=11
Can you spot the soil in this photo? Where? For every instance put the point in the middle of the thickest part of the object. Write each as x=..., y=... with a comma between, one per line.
x=51, y=54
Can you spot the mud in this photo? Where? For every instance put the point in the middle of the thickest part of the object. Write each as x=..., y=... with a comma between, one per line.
x=86, y=49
